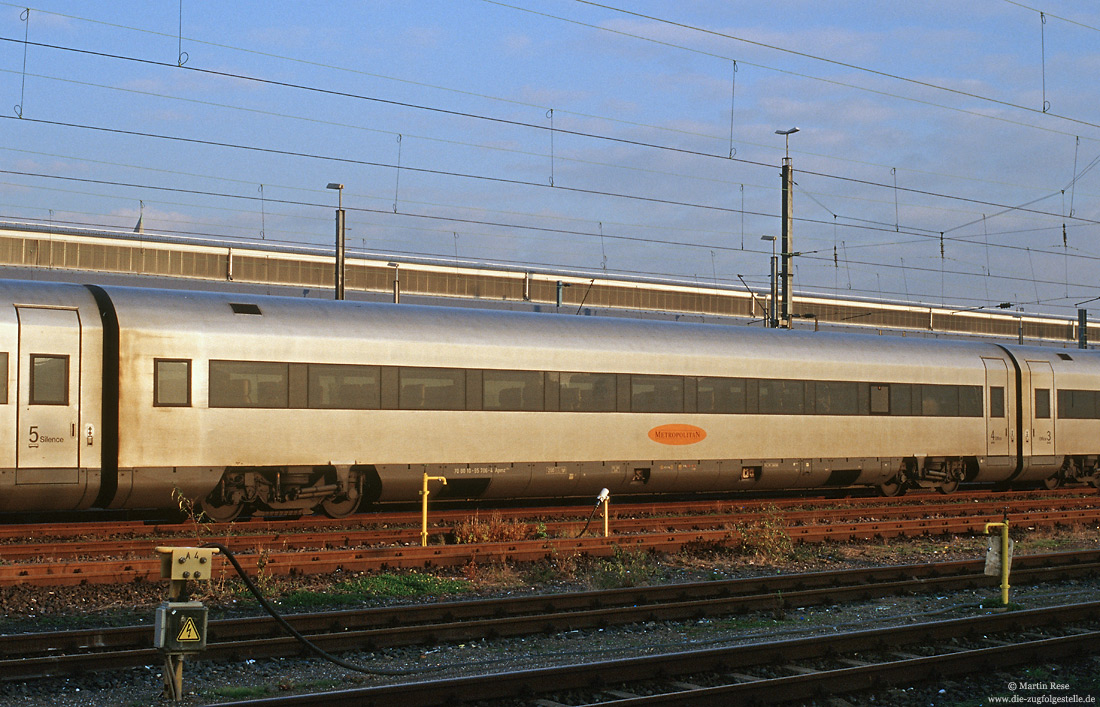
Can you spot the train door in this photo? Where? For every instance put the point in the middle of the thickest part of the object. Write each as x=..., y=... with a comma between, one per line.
x=47, y=447
x=1000, y=416
x=1042, y=407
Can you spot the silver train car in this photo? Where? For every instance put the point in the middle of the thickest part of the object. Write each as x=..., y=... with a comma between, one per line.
x=138, y=398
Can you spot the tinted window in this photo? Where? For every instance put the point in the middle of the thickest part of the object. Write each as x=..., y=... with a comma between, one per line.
x=656, y=394
x=940, y=400
x=432, y=389
x=248, y=384
x=996, y=401
x=171, y=382
x=344, y=387
x=512, y=390
x=49, y=380
x=3, y=378
x=1078, y=404
x=587, y=392
x=781, y=397
x=722, y=395
x=1042, y=403
x=901, y=399
x=970, y=400
x=837, y=398
x=880, y=400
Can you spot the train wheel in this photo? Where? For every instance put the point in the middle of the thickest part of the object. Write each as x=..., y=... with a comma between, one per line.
x=340, y=507
x=1052, y=482
x=949, y=486
x=893, y=487
x=221, y=513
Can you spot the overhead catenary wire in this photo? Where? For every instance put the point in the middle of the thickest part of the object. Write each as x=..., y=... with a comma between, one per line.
x=835, y=62
x=1036, y=212
x=803, y=255
x=458, y=219
x=481, y=117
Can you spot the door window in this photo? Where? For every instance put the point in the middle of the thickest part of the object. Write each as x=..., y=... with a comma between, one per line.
x=49, y=380
x=1042, y=403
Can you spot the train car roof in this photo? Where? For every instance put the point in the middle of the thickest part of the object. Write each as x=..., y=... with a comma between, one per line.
x=229, y=313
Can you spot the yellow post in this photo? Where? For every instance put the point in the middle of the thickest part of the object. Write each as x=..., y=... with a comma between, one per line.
x=605, y=498
x=424, y=511
x=1004, y=556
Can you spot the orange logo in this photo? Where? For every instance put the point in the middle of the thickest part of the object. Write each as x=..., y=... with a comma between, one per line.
x=677, y=434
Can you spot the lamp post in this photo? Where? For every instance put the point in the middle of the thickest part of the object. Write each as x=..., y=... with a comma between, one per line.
x=786, y=250
x=772, y=322
x=339, y=238
x=396, y=281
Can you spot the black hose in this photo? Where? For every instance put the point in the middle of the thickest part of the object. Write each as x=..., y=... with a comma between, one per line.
x=298, y=636
x=590, y=517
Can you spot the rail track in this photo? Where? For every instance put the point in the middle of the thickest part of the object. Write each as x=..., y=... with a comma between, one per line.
x=388, y=541
x=763, y=673
x=30, y=656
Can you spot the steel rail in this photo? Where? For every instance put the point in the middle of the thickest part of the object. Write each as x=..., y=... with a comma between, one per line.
x=372, y=629
x=600, y=676
x=365, y=537
x=1082, y=495
x=325, y=561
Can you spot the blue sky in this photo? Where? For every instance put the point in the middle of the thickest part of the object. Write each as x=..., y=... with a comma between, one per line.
x=943, y=99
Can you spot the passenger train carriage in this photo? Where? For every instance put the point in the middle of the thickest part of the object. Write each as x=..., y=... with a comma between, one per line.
x=135, y=398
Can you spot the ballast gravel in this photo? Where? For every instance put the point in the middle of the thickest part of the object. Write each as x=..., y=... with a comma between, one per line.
x=25, y=609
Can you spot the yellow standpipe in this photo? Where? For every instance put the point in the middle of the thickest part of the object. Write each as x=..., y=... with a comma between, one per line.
x=1003, y=525
x=424, y=506
x=605, y=499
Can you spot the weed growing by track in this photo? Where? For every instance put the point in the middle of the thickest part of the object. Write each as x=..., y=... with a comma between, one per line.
x=629, y=567
x=766, y=539
x=361, y=589
x=494, y=530
x=252, y=692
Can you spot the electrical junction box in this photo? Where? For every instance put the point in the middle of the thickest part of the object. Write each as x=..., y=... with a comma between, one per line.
x=178, y=563
x=180, y=627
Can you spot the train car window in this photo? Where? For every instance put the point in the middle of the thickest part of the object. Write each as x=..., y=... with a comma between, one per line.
x=49, y=380
x=970, y=401
x=752, y=397
x=298, y=398
x=389, y=388
x=901, y=399
x=880, y=400
x=656, y=394
x=512, y=390
x=344, y=387
x=721, y=395
x=781, y=397
x=587, y=392
x=996, y=401
x=940, y=400
x=248, y=384
x=431, y=388
x=3, y=378
x=836, y=398
x=551, y=379
x=1042, y=403
x=474, y=391
x=171, y=382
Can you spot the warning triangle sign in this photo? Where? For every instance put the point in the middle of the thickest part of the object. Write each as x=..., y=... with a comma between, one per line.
x=188, y=632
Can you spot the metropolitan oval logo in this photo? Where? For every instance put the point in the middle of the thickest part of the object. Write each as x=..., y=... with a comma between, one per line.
x=677, y=434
